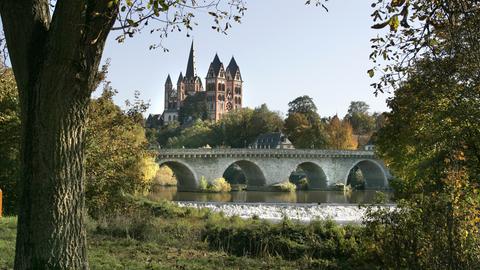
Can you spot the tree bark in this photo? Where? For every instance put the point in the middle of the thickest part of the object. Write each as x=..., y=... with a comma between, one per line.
x=55, y=60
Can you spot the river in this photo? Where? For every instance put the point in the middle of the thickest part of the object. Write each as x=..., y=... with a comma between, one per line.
x=309, y=196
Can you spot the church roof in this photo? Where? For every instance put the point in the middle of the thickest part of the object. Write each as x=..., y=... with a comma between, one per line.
x=271, y=140
x=169, y=80
x=180, y=78
x=191, y=71
x=216, y=66
x=233, y=67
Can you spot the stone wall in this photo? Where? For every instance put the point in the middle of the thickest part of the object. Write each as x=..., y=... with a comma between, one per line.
x=266, y=167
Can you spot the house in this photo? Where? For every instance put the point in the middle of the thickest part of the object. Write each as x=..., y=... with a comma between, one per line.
x=272, y=140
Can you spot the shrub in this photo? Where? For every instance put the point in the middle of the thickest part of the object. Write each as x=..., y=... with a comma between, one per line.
x=203, y=185
x=285, y=186
x=323, y=241
x=219, y=185
x=165, y=177
x=303, y=184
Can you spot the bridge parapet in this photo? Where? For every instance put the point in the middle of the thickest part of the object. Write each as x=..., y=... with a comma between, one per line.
x=261, y=153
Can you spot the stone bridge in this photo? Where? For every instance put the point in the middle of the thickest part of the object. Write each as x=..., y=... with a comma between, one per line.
x=265, y=167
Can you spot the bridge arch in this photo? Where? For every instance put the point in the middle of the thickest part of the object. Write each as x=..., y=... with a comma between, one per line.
x=316, y=177
x=186, y=178
x=373, y=173
x=254, y=176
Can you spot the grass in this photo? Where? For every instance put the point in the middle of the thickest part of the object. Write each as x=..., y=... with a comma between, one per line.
x=8, y=228
x=161, y=235
x=170, y=239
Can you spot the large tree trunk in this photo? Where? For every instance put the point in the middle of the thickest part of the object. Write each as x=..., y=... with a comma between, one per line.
x=55, y=62
x=51, y=232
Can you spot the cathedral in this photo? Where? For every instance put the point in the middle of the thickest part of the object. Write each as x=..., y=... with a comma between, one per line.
x=223, y=91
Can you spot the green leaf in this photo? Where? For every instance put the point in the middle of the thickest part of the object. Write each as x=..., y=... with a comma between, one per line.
x=394, y=23
x=371, y=73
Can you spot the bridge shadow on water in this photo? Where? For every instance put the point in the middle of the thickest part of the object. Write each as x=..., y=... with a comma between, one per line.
x=302, y=196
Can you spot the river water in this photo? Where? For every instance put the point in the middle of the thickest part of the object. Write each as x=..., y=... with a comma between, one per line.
x=309, y=196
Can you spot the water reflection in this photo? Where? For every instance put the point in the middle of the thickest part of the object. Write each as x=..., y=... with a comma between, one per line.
x=311, y=196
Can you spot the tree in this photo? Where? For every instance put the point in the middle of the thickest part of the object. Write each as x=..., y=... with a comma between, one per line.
x=358, y=107
x=117, y=159
x=234, y=128
x=430, y=142
x=362, y=122
x=194, y=107
x=430, y=138
x=241, y=127
x=422, y=28
x=264, y=121
x=10, y=142
x=303, y=125
x=167, y=132
x=198, y=135
x=69, y=42
x=303, y=105
x=340, y=135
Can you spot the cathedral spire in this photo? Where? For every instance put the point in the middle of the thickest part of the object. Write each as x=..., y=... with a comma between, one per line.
x=169, y=80
x=215, y=67
x=233, y=68
x=180, y=78
x=191, y=71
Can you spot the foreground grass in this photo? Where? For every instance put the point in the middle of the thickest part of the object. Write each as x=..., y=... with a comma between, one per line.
x=8, y=229
x=170, y=242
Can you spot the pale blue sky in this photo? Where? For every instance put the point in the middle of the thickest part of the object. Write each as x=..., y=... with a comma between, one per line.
x=284, y=49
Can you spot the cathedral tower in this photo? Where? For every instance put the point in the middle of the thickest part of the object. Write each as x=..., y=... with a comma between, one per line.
x=234, y=84
x=170, y=113
x=223, y=89
x=193, y=83
x=170, y=95
x=180, y=90
x=216, y=86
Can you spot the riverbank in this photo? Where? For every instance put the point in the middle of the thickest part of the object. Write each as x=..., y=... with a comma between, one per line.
x=340, y=213
x=168, y=244
x=162, y=235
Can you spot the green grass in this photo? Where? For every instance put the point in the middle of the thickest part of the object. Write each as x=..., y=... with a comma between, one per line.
x=171, y=240
x=161, y=235
x=8, y=229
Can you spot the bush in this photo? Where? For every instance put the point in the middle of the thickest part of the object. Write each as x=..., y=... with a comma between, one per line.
x=203, y=185
x=340, y=247
x=285, y=186
x=217, y=185
x=165, y=177
x=220, y=185
x=303, y=184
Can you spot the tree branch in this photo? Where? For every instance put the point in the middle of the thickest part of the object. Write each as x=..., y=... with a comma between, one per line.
x=25, y=23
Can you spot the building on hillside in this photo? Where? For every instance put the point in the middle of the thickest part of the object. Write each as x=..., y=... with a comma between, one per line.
x=223, y=91
x=370, y=145
x=272, y=140
x=154, y=121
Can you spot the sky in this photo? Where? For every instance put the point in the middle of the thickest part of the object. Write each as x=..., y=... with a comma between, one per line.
x=284, y=49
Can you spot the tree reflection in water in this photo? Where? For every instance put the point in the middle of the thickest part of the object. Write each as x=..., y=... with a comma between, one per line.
x=303, y=196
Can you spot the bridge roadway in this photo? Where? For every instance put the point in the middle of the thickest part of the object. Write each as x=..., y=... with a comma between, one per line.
x=265, y=167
